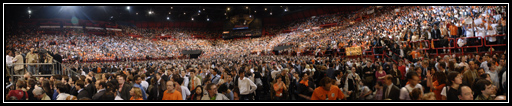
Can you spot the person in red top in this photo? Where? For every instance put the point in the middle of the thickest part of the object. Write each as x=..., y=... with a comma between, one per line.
x=327, y=92
x=401, y=67
x=18, y=93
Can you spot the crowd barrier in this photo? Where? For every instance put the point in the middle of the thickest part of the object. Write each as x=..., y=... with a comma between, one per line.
x=470, y=43
x=494, y=45
x=55, y=68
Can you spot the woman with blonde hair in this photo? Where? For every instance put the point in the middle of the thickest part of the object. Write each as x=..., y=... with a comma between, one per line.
x=310, y=69
x=136, y=93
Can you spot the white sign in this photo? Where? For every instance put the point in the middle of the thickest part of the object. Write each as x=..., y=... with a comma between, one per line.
x=478, y=21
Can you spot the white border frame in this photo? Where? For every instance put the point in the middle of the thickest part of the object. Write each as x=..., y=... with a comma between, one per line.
x=508, y=22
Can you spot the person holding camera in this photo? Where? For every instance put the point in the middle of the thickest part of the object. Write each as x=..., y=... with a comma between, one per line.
x=32, y=57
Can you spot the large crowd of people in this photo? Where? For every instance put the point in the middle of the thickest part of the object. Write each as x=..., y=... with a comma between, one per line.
x=235, y=69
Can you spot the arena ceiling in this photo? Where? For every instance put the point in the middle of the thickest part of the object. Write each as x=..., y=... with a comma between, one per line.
x=135, y=12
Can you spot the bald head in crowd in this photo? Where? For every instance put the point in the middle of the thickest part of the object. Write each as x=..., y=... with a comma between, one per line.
x=465, y=93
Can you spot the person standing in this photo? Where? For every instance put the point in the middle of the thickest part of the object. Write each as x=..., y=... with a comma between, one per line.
x=465, y=93
x=396, y=75
x=79, y=85
x=414, y=80
x=305, y=88
x=171, y=93
x=215, y=76
x=101, y=87
x=194, y=81
x=454, y=81
x=61, y=91
x=18, y=93
x=136, y=93
x=197, y=93
x=351, y=84
x=19, y=69
x=185, y=92
x=325, y=91
x=469, y=76
x=8, y=61
x=380, y=74
x=124, y=87
x=32, y=57
x=138, y=81
x=246, y=86
x=402, y=73
x=39, y=94
x=391, y=91
x=213, y=94
x=484, y=90
x=369, y=74
x=279, y=88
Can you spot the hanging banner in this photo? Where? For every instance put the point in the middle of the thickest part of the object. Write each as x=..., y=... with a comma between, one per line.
x=352, y=51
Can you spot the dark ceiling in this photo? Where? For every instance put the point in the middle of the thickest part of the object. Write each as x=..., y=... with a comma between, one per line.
x=142, y=12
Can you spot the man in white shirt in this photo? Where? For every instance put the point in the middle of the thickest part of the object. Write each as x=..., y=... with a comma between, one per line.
x=413, y=83
x=246, y=86
x=185, y=92
x=61, y=89
x=9, y=60
x=144, y=83
x=484, y=64
x=402, y=53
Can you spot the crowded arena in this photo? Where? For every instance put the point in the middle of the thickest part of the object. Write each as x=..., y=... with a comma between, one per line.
x=256, y=53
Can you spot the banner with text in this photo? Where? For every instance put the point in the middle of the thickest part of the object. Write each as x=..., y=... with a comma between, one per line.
x=352, y=51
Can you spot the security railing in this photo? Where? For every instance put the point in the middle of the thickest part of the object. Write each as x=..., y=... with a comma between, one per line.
x=41, y=69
